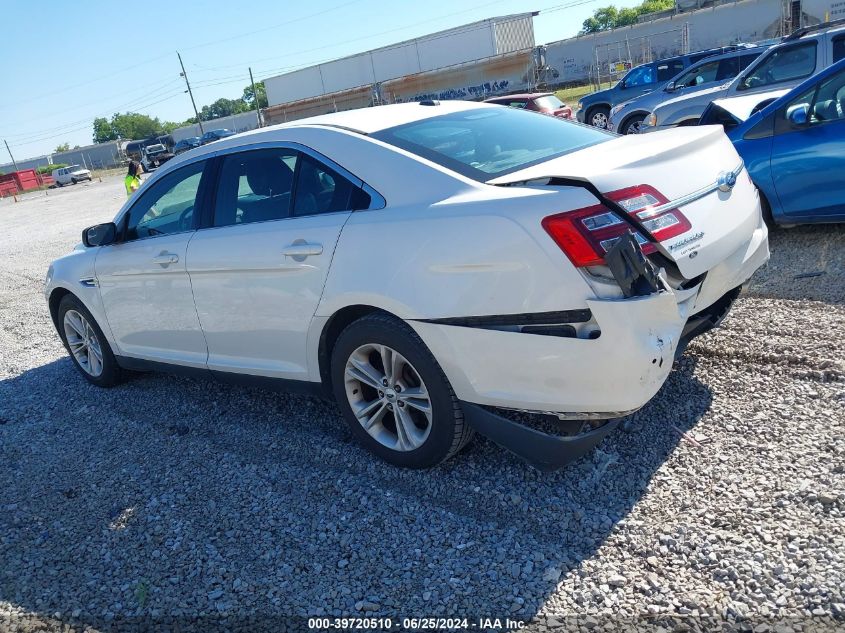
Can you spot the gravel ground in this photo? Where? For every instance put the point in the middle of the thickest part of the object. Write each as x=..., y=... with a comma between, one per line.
x=173, y=500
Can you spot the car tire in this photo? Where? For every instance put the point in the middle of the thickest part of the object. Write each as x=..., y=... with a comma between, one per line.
x=598, y=116
x=412, y=431
x=83, y=339
x=632, y=125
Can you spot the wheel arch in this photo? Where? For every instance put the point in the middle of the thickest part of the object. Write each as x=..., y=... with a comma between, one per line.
x=56, y=296
x=630, y=116
x=336, y=323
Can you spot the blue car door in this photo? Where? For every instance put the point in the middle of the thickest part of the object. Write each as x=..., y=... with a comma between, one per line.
x=808, y=153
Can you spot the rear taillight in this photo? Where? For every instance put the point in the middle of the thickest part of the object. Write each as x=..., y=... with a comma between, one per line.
x=641, y=202
x=585, y=235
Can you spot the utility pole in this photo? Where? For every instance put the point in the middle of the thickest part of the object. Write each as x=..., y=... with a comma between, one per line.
x=187, y=83
x=255, y=98
x=10, y=154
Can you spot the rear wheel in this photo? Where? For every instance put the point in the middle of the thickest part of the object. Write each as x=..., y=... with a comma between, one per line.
x=394, y=395
x=86, y=344
x=598, y=116
x=632, y=125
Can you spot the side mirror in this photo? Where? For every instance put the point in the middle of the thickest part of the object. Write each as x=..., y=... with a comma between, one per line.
x=670, y=87
x=798, y=116
x=99, y=234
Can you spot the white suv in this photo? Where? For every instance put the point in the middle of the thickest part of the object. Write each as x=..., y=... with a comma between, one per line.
x=70, y=175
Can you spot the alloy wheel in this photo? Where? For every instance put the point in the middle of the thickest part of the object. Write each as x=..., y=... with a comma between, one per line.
x=83, y=343
x=634, y=128
x=599, y=120
x=388, y=397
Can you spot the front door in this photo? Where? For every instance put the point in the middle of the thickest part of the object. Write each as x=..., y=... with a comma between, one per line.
x=808, y=160
x=144, y=285
x=258, y=272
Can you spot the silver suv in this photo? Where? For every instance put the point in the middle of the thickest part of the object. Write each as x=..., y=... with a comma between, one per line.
x=800, y=55
x=626, y=117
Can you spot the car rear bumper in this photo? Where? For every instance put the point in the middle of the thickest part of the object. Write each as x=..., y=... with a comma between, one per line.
x=591, y=378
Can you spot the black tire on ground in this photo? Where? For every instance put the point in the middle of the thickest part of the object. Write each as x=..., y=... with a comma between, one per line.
x=767, y=212
x=112, y=374
x=449, y=432
x=597, y=116
x=632, y=125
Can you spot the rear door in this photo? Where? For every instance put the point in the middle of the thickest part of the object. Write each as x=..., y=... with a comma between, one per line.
x=259, y=268
x=808, y=160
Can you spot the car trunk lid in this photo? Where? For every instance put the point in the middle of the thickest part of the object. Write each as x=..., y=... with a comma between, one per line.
x=683, y=168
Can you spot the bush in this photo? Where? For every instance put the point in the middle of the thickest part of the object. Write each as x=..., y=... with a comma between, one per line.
x=47, y=169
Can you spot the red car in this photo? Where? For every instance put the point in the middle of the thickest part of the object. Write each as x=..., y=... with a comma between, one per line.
x=545, y=102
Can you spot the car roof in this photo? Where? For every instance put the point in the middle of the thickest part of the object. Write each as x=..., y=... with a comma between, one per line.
x=374, y=119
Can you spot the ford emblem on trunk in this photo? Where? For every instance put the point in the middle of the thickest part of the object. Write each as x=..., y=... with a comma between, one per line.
x=727, y=180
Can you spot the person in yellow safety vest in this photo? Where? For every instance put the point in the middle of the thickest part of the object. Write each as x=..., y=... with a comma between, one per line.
x=132, y=180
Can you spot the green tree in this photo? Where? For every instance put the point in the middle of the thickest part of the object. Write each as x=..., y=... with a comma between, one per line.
x=249, y=97
x=223, y=107
x=610, y=17
x=103, y=131
x=61, y=148
x=132, y=125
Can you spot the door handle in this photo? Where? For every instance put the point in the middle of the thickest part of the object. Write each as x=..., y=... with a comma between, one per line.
x=165, y=259
x=301, y=249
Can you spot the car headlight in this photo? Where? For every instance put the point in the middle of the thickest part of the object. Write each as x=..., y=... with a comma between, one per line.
x=651, y=120
x=580, y=105
x=617, y=108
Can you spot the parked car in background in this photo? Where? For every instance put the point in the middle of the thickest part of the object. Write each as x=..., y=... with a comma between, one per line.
x=70, y=175
x=545, y=102
x=425, y=263
x=155, y=156
x=186, y=143
x=215, y=135
x=794, y=147
x=594, y=108
x=626, y=117
x=784, y=66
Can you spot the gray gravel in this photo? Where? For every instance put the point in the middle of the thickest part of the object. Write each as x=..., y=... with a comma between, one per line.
x=166, y=497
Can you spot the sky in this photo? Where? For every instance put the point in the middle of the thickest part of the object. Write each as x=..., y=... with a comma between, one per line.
x=62, y=68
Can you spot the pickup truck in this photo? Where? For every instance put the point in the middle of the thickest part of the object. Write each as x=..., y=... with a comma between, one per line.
x=155, y=156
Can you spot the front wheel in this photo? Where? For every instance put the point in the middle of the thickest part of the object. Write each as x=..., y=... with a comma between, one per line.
x=394, y=395
x=633, y=125
x=598, y=117
x=86, y=344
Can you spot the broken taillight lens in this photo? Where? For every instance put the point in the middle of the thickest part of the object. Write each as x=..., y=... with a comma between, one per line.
x=585, y=235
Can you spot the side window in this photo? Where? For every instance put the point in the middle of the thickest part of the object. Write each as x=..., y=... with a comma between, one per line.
x=667, y=70
x=698, y=75
x=255, y=186
x=168, y=206
x=320, y=190
x=838, y=48
x=728, y=69
x=745, y=60
x=829, y=104
x=641, y=76
x=785, y=64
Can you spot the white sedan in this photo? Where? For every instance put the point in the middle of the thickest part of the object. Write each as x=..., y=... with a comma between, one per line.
x=440, y=268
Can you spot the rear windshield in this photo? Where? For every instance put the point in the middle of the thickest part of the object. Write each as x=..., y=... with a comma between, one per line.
x=486, y=143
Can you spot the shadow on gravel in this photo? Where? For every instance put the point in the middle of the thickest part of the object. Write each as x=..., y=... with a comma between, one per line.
x=171, y=499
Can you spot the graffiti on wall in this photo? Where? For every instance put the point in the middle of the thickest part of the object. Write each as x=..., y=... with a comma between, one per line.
x=477, y=91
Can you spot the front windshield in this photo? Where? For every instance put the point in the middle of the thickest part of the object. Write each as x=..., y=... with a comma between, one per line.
x=487, y=143
x=73, y=168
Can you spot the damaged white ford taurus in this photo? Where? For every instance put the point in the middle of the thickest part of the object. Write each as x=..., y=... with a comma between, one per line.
x=440, y=268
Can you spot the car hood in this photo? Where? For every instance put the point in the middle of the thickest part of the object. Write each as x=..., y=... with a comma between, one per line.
x=705, y=95
x=741, y=107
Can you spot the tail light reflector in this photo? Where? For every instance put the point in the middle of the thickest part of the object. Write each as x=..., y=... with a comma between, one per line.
x=585, y=235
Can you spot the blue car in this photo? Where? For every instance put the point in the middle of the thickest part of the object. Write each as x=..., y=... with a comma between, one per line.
x=794, y=148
